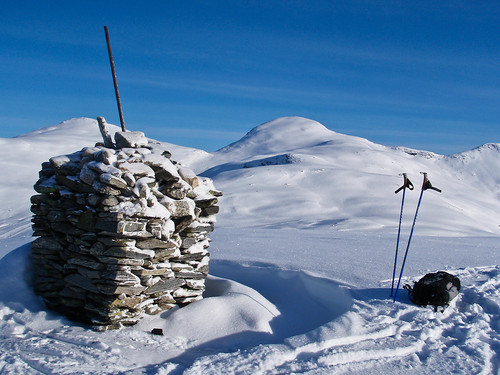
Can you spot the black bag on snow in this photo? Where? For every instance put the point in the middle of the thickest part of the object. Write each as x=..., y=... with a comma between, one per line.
x=435, y=289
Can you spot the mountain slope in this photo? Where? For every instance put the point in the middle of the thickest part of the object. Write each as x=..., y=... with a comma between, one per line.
x=294, y=172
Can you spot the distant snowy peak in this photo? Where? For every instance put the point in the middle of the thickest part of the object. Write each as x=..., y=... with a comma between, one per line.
x=485, y=156
x=80, y=127
x=73, y=134
x=281, y=135
x=486, y=149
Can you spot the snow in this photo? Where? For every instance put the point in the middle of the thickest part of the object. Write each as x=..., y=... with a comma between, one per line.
x=301, y=262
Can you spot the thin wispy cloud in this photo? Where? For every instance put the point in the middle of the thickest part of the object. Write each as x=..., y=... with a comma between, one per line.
x=355, y=66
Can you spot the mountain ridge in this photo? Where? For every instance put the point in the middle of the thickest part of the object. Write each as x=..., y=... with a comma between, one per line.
x=294, y=172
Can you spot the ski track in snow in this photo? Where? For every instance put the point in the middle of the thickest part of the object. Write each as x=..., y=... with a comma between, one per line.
x=372, y=335
x=377, y=334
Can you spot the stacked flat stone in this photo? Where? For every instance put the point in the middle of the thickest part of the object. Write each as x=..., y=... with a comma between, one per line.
x=122, y=232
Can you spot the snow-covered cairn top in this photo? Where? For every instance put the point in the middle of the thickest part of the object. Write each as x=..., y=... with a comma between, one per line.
x=121, y=232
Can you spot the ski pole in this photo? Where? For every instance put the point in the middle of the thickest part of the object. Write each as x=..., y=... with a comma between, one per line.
x=406, y=184
x=425, y=185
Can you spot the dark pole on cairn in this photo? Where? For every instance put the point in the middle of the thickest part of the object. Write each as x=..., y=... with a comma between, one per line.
x=114, y=79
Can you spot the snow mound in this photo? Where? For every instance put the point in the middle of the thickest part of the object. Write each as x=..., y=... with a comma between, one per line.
x=269, y=307
x=236, y=312
x=281, y=135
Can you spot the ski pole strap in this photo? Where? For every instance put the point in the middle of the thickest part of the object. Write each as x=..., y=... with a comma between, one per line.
x=427, y=184
x=406, y=184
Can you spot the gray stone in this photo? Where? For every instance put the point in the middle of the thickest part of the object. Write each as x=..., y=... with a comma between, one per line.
x=146, y=272
x=187, y=242
x=73, y=183
x=73, y=292
x=46, y=185
x=43, y=198
x=66, y=164
x=81, y=281
x=197, y=227
x=110, y=201
x=87, y=175
x=154, y=243
x=189, y=176
x=86, y=221
x=136, y=229
x=128, y=290
x=120, y=261
x=86, y=262
x=164, y=254
x=206, y=202
x=113, y=181
x=174, y=193
x=89, y=273
x=47, y=244
x=120, y=277
x=129, y=179
x=128, y=252
x=40, y=209
x=100, y=168
x=105, y=189
x=186, y=292
x=165, y=285
x=112, y=241
x=65, y=228
x=109, y=226
x=56, y=215
x=130, y=139
x=111, y=216
x=138, y=170
x=105, y=155
x=89, y=152
x=126, y=302
x=93, y=200
x=187, y=300
x=179, y=208
x=209, y=211
x=164, y=169
x=190, y=275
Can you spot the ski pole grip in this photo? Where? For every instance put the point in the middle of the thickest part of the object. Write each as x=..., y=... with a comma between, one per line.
x=406, y=184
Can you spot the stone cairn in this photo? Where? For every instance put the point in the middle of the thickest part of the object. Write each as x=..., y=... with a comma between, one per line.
x=122, y=232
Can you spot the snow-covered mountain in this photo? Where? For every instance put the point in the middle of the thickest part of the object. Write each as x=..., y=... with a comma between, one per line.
x=301, y=263
x=294, y=172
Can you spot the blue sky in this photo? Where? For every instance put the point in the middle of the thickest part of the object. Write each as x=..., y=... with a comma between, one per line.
x=423, y=74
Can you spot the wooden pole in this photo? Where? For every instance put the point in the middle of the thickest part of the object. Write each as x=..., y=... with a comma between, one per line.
x=114, y=79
